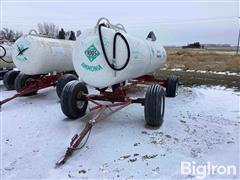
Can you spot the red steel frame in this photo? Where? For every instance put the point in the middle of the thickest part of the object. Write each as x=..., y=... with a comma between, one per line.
x=118, y=100
x=38, y=82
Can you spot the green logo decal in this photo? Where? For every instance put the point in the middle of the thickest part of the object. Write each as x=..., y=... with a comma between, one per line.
x=22, y=47
x=20, y=56
x=92, y=53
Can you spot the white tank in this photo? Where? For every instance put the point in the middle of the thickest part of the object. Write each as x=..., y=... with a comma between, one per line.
x=39, y=55
x=6, y=57
x=90, y=64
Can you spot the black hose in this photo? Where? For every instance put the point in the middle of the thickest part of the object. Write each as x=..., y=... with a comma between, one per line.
x=4, y=50
x=4, y=54
x=114, y=48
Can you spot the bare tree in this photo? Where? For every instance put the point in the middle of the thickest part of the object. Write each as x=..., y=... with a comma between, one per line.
x=52, y=31
x=48, y=29
x=9, y=35
x=18, y=35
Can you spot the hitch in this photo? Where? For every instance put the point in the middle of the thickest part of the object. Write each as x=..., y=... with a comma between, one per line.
x=76, y=140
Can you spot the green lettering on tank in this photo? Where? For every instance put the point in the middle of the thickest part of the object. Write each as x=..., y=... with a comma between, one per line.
x=92, y=53
x=137, y=55
x=91, y=68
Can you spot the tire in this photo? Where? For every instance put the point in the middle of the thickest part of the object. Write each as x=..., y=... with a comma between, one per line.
x=154, y=105
x=21, y=81
x=172, y=86
x=62, y=81
x=72, y=105
x=9, y=79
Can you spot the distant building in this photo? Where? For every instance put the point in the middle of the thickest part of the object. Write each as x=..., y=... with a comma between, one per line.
x=194, y=45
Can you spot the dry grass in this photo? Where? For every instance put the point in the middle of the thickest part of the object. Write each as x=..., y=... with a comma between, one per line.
x=219, y=60
x=203, y=60
x=208, y=79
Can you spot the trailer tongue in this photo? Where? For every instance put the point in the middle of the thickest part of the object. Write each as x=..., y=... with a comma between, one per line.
x=77, y=138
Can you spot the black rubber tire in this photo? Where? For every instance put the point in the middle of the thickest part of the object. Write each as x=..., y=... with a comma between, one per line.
x=62, y=81
x=71, y=95
x=172, y=86
x=21, y=81
x=154, y=105
x=9, y=79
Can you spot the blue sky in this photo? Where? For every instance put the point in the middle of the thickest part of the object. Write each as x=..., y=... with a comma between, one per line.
x=174, y=22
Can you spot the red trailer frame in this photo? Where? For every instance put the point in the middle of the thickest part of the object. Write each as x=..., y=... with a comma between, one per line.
x=38, y=82
x=117, y=100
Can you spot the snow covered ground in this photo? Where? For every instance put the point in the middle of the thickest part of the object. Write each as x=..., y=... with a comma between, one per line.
x=201, y=125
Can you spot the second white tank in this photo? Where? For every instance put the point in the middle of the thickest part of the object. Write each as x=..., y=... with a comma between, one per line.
x=39, y=55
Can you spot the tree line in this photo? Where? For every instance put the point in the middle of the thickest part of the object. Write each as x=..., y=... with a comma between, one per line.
x=49, y=30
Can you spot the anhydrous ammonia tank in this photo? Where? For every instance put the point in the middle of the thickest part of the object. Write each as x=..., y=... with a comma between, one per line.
x=6, y=57
x=94, y=62
x=34, y=55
